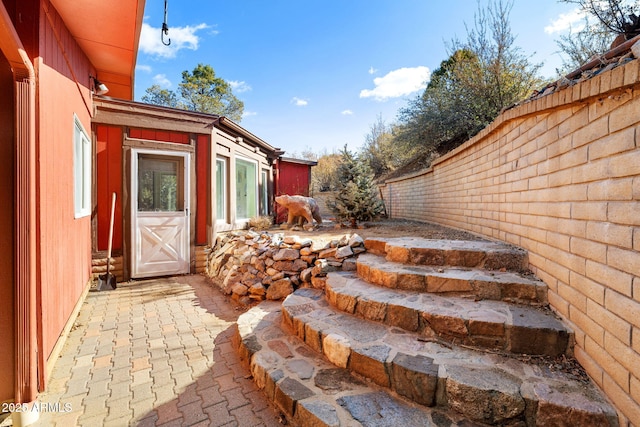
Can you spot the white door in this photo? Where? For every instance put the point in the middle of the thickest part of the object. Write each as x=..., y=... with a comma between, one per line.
x=160, y=213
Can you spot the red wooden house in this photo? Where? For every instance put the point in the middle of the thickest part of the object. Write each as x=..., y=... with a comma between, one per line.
x=180, y=177
x=51, y=53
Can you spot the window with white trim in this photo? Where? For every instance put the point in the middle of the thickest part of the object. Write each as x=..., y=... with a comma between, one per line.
x=246, y=189
x=81, y=170
x=221, y=190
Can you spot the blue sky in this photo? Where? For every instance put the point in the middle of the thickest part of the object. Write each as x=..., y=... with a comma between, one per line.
x=316, y=75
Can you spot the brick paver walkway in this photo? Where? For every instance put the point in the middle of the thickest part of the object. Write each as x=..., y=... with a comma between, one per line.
x=154, y=352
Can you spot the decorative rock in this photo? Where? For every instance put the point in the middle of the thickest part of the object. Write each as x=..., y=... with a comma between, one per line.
x=349, y=264
x=378, y=409
x=239, y=289
x=356, y=240
x=337, y=349
x=335, y=380
x=305, y=275
x=257, y=289
x=258, y=262
x=279, y=289
x=343, y=252
x=494, y=397
x=308, y=259
x=286, y=255
x=319, y=282
x=327, y=253
x=302, y=368
x=289, y=240
x=289, y=393
x=415, y=377
x=317, y=413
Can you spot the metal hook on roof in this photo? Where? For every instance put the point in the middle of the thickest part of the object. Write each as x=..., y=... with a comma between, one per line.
x=165, y=27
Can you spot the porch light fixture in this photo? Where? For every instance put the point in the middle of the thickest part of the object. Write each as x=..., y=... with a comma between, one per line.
x=99, y=88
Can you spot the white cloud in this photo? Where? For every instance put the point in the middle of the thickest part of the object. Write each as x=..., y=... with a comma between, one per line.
x=347, y=113
x=299, y=102
x=239, y=87
x=181, y=38
x=372, y=70
x=145, y=68
x=249, y=114
x=566, y=21
x=397, y=83
x=162, y=80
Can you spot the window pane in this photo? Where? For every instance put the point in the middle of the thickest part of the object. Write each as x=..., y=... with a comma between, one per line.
x=158, y=185
x=81, y=171
x=264, y=193
x=246, y=189
x=221, y=190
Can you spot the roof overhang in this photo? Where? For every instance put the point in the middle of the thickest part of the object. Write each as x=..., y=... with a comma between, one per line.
x=108, y=32
x=299, y=161
x=119, y=112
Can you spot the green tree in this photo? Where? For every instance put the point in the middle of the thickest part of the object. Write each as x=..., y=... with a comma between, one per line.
x=357, y=195
x=324, y=174
x=200, y=90
x=383, y=151
x=482, y=76
x=158, y=96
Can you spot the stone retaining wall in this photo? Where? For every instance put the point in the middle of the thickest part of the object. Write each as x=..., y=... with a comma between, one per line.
x=253, y=266
x=560, y=177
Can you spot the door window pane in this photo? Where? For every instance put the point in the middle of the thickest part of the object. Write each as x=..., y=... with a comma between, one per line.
x=159, y=185
x=246, y=189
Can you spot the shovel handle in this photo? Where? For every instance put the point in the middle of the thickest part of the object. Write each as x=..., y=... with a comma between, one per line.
x=113, y=209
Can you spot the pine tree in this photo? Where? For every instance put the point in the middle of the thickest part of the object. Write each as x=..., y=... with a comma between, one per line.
x=357, y=195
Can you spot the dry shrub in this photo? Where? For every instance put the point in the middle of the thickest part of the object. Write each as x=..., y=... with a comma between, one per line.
x=261, y=222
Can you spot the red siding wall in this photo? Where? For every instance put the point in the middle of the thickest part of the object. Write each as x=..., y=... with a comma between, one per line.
x=202, y=194
x=65, y=241
x=159, y=135
x=7, y=355
x=293, y=179
x=109, y=180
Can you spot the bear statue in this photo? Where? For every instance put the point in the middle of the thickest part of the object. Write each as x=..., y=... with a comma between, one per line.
x=301, y=208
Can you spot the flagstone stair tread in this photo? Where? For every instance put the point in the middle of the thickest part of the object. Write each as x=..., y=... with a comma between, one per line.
x=476, y=384
x=313, y=392
x=462, y=253
x=495, y=325
x=496, y=285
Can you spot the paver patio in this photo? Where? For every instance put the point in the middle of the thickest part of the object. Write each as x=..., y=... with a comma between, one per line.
x=155, y=352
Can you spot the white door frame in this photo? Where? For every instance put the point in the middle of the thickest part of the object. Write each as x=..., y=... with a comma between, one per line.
x=165, y=220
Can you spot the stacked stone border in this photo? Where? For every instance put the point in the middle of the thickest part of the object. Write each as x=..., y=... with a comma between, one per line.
x=558, y=176
x=253, y=266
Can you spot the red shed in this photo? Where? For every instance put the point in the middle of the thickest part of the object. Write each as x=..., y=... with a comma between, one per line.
x=293, y=177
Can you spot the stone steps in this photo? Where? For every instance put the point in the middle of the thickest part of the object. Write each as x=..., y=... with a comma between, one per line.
x=312, y=392
x=485, y=324
x=455, y=253
x=462, y=281
x=481, y=386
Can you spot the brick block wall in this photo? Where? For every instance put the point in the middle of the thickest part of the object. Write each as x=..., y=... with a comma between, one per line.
x=560, y=177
